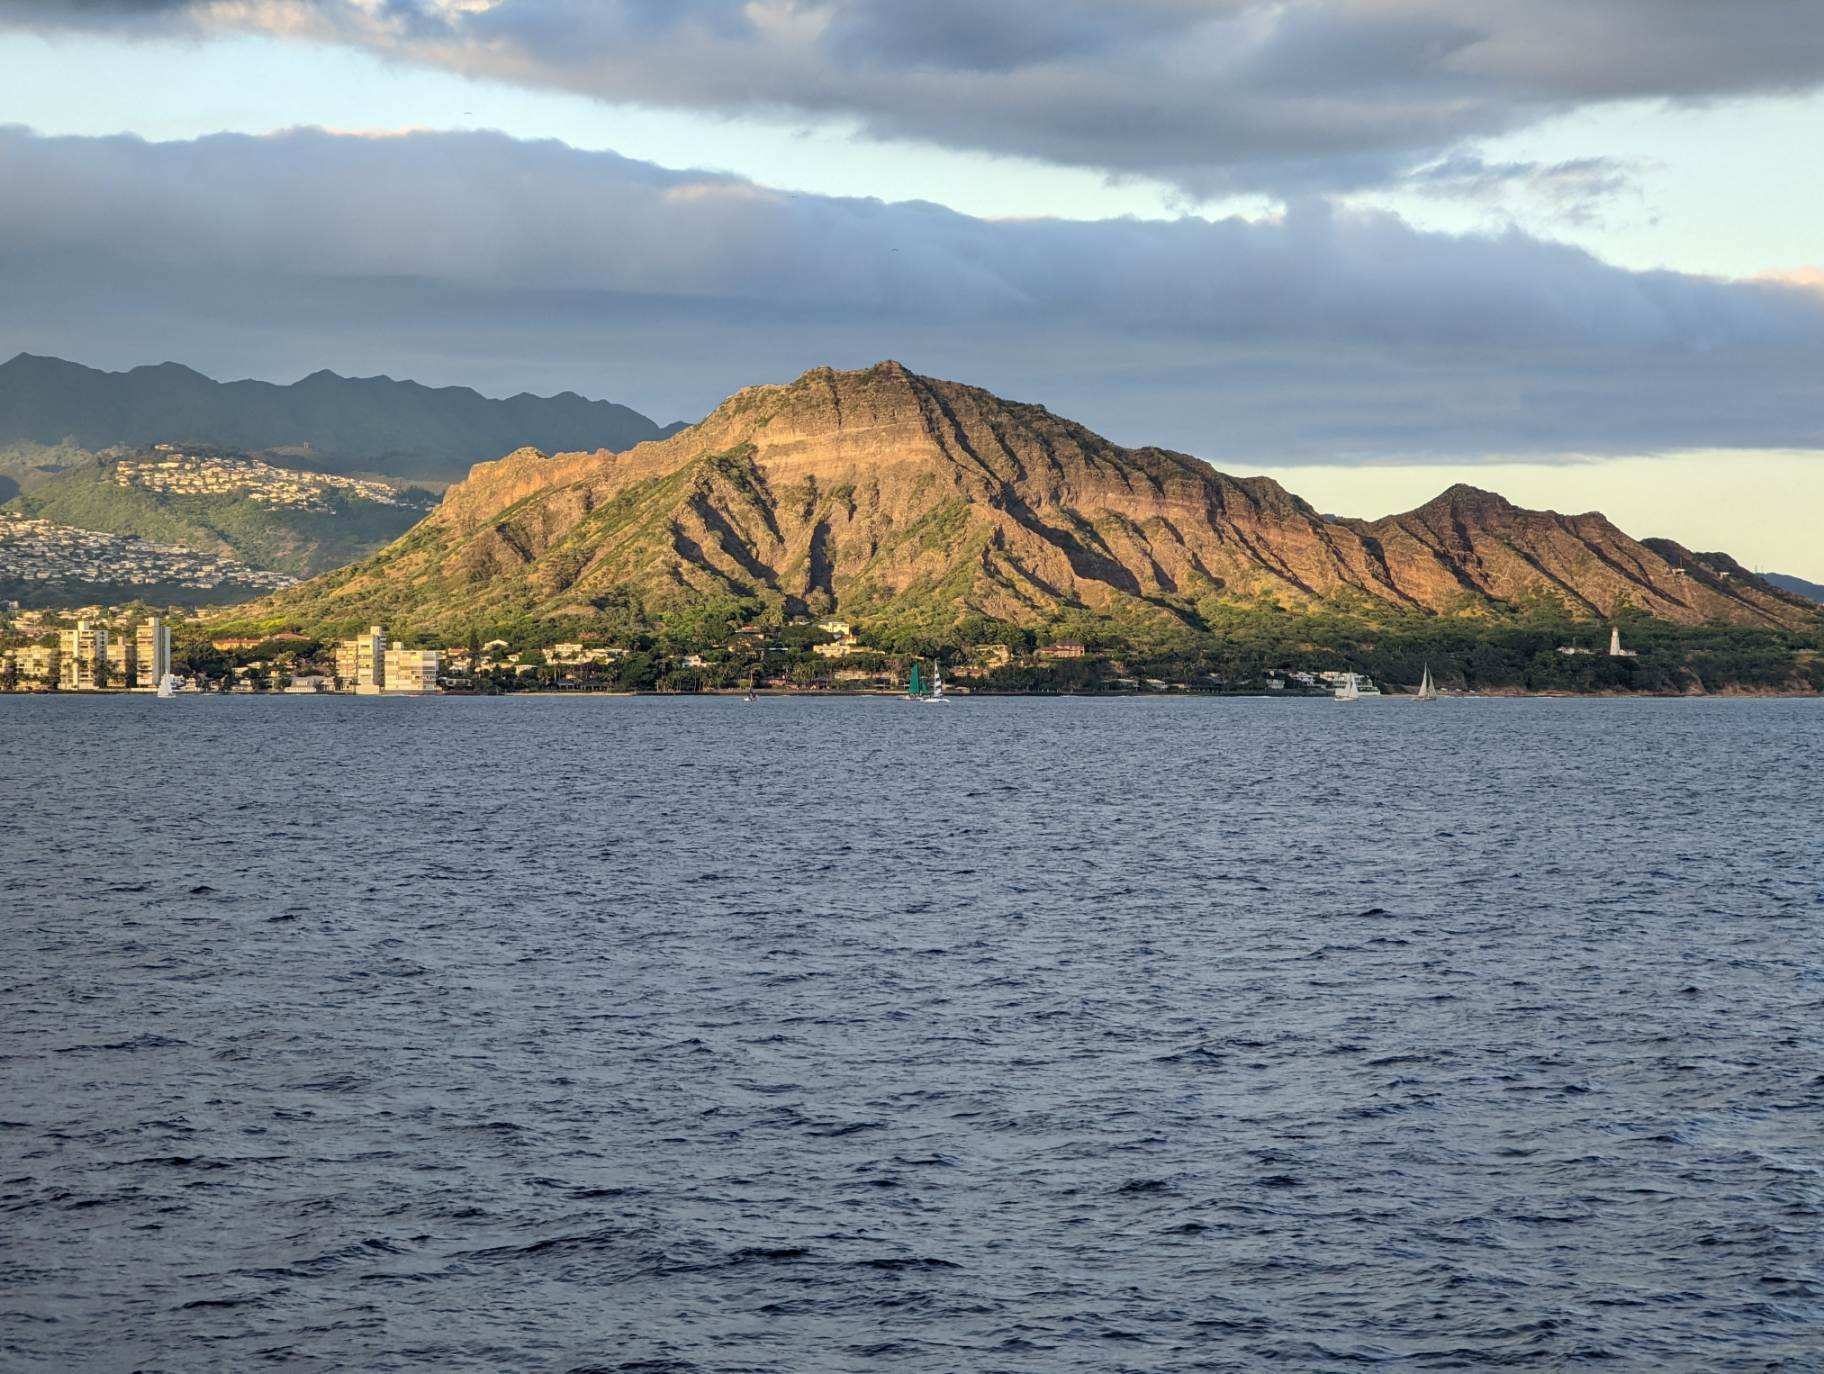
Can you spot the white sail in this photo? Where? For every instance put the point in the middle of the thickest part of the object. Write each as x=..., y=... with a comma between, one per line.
x=1427, y=689
x=1350, y=690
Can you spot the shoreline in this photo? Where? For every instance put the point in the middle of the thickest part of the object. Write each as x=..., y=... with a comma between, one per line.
x=736, y=694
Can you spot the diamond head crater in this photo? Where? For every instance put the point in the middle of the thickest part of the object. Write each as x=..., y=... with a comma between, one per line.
x=831, y=532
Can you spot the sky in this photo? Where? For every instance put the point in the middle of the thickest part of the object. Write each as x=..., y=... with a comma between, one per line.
x=1569, y=250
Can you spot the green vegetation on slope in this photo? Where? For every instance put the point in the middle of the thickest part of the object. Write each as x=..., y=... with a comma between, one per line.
x=25, y=465
x=1240, y=646
x=301, y=542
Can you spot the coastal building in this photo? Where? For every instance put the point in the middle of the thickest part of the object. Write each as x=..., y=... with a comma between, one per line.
x=411, y=672
x=579, y=654
x=361, y=662
x=841, y=648
x=1067, y=649
x=36, y=663
x=84, y=656
x=152, y=643
x=123, y=661
x=1615, y=649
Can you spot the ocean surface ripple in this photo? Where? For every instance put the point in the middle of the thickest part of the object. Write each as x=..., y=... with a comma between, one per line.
x=1027, y=1035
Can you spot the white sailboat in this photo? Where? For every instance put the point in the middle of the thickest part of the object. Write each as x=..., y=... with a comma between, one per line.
x=167, y=686
x=937, y=682
x=1355, y=687
x=1428, y=690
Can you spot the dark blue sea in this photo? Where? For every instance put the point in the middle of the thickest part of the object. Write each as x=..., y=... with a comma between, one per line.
x=1028, y=1035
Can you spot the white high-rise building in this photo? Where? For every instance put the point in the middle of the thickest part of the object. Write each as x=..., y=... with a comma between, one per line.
x=123, y=660
x=153, y=641
x=361, y=662
x=84, y=657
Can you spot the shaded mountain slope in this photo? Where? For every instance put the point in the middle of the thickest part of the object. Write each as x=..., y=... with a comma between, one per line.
x=349, y=424
x=1798, y=586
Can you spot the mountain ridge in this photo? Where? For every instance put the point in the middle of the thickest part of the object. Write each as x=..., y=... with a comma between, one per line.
x=1798, y=586
x=880, y=493
x=401, y=429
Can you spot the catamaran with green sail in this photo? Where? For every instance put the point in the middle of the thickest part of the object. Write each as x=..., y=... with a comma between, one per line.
x=920, y=688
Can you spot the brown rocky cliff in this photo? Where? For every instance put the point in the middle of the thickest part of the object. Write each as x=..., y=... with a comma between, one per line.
x=1476, y=542
x=885, y=492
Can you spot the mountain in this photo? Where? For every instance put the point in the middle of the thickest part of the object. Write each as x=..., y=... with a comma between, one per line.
x=348, y=424
x=227, y=504
x=1475, y=543
x=884, y=494
x=1798, y=586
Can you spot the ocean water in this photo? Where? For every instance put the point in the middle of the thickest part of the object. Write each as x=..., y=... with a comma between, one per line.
x=1027, y=1035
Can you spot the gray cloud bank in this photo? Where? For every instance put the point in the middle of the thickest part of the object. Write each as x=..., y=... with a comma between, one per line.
x=476, y=259
x=1215, y=96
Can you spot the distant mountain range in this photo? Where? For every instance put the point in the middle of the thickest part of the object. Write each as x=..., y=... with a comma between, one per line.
x=1798, y=586
x=893, y=498
x=331, y=423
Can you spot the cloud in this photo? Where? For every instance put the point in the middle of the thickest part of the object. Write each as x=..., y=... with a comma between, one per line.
x=476, y=258
x=1575, y=190
x=1215, y=96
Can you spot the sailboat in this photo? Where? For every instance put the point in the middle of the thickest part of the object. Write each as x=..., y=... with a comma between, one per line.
x=1428, y=690
x=167, y=686
x=919, y=688
x=1350, y=690
x=937, y=683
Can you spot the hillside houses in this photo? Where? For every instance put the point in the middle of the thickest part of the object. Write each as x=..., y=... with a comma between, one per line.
x=43, y=551
x=169, y=469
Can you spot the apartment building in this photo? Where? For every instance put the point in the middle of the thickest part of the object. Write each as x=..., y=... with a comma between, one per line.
x=152, y=646
x=84, y=657
x=411, y=672
x=123, y=661
x=361, y=662
x=36, y=662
